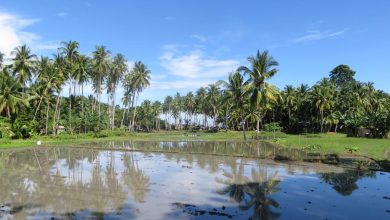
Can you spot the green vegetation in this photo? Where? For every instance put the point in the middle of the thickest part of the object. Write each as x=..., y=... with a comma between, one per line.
x=323, y=143
x=32, y=105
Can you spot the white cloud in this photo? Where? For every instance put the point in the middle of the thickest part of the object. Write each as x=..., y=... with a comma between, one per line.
x=199, y=37
x=13, y=34
x=320, y=35
x=194, y=64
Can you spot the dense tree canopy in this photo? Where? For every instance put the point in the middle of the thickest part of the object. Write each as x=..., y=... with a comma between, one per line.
x=32, y=100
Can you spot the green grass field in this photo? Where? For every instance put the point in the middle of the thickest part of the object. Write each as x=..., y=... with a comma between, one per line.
x=328, y=143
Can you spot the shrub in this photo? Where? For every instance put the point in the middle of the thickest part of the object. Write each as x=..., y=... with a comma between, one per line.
x=352, y=149
x=312, y=147
x=274, y=126
x=109, y=133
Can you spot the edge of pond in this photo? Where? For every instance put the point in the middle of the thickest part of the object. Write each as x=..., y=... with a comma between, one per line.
x=384, y=165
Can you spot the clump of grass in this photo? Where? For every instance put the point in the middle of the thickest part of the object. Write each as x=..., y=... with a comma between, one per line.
x=312, y=147
x=352, y=149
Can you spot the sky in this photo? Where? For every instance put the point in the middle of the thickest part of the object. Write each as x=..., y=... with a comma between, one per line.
x=193, y=43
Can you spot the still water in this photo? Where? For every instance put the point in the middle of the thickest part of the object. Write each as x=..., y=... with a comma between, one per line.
x=183, y=180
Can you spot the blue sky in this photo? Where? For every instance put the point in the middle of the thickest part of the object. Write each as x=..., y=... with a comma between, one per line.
x=188, y=44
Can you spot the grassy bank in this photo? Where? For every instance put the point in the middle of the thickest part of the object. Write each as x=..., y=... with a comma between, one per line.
x=326, y=143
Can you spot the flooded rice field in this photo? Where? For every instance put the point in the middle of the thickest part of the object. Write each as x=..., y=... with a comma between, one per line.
x=184, y=180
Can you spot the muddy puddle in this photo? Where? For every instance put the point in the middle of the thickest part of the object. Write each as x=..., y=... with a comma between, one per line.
x=134, y=180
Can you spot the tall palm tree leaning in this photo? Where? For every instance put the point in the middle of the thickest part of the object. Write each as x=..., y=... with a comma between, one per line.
x=236, y=94
x=60, y=66
x=70, y=52
x=118, y=69
x=140, y=75
x=23, y=64
x=262, y=68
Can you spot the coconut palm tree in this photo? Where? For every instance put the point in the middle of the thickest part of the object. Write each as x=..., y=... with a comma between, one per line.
x=156, y=108
x=60, y=66
x=12, y=99
x=69, y=51
x=49, y=82
x=23, y=64
x=290, y=101
x=321, y=96
x=100, y=68
x=140, y=79
x=213, y=98
x=201, y=103
x=82, y=74
x=262, y=69
x=177, y=110
x=118, y=68
x=234, y=88
x=167, y=110
x=41, y=67
x=189, y=107
x=126, y=100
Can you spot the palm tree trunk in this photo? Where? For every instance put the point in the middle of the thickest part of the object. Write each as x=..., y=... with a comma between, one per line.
x=258, y=126
x=289, y=117
x=169, y=117
x=8, y=112
x=135, y=109
x=70, y=108
x=55, y=113
x=322, y=120
x=98, y=101
x=59, y=109
x=204, y=119
x=82, y=105
x=123, y=116
x=47, y=116
x=109, y=112
x=166, y=121
x=243, y=123
x=226, y=120
x=215, y=116
x=113, y=107
x=39, y=104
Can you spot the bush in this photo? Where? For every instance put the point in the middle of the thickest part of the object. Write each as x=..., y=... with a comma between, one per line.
x=274, y=126
x=352, y=149
x=109, y=133
x=312, y=147
x=23, y=128
x=5, y=128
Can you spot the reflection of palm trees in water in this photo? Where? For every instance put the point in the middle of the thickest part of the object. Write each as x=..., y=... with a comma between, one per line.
x=235, y=181
x=135, y=178
x=254, y=192
x=345, y=183
x=29, y=185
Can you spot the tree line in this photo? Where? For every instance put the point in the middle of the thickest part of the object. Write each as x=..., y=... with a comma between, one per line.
x=31, y=88
x=31, y=100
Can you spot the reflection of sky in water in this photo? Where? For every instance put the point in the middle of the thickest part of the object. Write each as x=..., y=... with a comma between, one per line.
x=146, y=185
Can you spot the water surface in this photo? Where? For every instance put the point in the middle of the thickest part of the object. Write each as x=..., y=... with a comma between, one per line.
x=132, y=180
